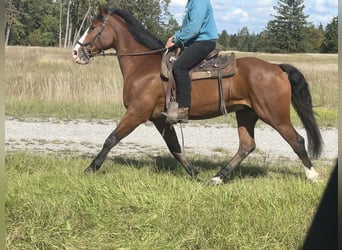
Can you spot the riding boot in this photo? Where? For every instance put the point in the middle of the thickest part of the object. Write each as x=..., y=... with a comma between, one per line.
x=175, y=114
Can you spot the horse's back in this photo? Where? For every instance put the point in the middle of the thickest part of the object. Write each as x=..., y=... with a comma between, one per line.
x=254, y=64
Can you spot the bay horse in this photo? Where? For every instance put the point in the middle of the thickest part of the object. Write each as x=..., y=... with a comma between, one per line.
x=258, y=90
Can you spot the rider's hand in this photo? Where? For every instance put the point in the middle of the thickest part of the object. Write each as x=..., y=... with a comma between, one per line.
x=169, y=43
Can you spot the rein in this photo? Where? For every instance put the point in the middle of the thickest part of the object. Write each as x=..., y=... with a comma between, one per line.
x=102, y=53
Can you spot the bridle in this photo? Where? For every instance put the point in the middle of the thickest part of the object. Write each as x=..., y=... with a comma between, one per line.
x=97, y=36
x=102, y=51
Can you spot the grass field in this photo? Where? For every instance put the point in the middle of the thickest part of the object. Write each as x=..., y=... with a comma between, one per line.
x=151, y=204
x=46, y=82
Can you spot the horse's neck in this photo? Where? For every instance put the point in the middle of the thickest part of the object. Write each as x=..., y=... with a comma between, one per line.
x=131, y=64
x=126, y=44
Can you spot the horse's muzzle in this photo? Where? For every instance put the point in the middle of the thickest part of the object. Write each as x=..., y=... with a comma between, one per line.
x=80, y=56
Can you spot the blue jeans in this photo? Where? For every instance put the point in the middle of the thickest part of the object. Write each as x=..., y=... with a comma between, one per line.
x=188, y=59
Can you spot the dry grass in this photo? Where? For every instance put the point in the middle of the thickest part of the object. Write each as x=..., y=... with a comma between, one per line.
x=50, y=74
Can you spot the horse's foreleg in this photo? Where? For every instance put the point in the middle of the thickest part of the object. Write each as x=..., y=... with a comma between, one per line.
x=110, y=142
x=246, y=120
x=169, y=134
x=127, y=124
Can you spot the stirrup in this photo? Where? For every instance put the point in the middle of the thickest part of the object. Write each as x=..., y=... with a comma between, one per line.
x=175, y=114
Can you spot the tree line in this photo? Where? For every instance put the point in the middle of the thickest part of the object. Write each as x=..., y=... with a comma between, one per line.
x=288, y=32
x=59, y=23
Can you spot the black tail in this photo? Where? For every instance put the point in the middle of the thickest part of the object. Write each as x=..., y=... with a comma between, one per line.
x=302, y=103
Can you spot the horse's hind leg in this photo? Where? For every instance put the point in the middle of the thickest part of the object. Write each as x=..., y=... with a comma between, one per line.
x=246, y=120
x=169, y=134
x=296, y=141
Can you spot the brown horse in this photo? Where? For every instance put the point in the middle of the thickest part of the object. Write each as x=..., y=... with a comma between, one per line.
x=258, y=90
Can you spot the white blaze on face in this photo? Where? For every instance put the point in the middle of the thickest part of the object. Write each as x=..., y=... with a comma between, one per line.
x=78, y=46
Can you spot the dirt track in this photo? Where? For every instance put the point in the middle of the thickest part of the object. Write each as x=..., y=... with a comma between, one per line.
x=86, y=138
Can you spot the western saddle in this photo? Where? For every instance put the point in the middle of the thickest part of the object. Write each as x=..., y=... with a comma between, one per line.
x=215, y=65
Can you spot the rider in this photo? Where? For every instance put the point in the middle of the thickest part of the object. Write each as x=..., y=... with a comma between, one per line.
x=198, y=34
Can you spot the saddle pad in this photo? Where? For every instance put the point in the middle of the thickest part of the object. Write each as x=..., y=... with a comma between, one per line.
x=225, y=63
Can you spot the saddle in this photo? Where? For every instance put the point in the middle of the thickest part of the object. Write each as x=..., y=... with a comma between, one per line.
x=215, y=65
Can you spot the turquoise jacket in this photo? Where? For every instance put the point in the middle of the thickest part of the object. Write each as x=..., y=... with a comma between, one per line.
x=198, y=23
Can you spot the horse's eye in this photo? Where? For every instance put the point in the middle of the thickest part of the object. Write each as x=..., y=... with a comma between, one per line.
x=92, y=27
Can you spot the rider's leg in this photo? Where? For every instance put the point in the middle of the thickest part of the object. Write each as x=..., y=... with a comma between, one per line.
x=188, y=59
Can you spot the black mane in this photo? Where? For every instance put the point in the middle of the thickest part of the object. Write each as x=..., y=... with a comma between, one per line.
x=138, y=31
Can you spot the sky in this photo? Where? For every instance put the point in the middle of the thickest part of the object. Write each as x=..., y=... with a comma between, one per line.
x=233, y=15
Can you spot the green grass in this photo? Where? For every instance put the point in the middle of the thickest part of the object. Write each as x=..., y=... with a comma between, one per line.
x=50, y=84
x=150, y=203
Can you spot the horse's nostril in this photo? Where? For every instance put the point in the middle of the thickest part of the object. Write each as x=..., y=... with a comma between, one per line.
x=74, y=53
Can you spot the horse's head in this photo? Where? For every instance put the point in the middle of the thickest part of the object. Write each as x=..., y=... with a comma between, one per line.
x=95, y=40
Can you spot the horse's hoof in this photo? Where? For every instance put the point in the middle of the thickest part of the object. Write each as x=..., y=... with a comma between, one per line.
x=194, y=173
x=215, y=181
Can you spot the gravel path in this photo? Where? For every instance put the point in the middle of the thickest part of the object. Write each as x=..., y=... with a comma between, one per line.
x=86, y=138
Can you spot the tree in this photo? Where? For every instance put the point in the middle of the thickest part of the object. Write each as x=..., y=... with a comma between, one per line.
x=168, y=28
x=330, y=43
x=11, y=18
x=223, y=40
x=233, y=41
x=77, y=32
x=261, y=42
x=286, y=33
x=67, y=26
x=153, y=14
x=35, y=24
x=60, y=22
x=82, y=12
x=315, y=39
x=244, y=40
x=168, y=24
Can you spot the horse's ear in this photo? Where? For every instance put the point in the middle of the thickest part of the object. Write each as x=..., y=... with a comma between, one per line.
x=102, y=11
